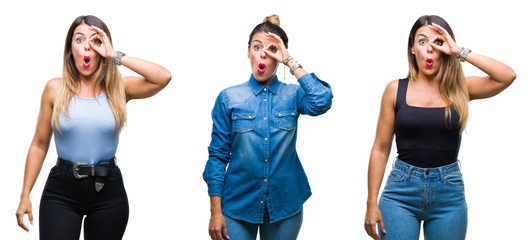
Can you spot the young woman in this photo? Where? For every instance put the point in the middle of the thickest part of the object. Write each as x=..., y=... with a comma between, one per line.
x=254, y=175
x=85, y=110
x=427, y=112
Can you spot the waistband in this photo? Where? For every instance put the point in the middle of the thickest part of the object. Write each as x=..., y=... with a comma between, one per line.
x=411, y=170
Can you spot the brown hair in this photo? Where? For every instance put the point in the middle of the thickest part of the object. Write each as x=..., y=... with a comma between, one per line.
x=270, y=24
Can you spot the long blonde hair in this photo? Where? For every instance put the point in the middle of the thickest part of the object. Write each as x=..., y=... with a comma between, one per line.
x=106, y=77
x=453, y=85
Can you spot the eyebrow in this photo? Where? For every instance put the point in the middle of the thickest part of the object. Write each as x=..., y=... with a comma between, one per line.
x=422, y=35
x=84, y=34
x=256, y=40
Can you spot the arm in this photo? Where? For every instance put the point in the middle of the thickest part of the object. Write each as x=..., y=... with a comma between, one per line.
x=379, y=157
x=37, y=152
x=214, y=173
x=153, y=76
x=316, y=95
x=217, y=226
x=500, y=76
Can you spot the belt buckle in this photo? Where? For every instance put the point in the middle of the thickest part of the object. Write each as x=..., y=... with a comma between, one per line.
x=75, y=169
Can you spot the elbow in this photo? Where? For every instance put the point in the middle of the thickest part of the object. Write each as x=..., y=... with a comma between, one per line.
x=166, y=78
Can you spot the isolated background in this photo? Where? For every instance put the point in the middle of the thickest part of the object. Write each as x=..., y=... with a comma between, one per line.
x=358, y=47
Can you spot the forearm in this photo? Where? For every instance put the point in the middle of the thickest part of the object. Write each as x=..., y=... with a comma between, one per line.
x=34, y=162
x=377, y=166
x=216, y=205
x=152, y=72
x=497, y=71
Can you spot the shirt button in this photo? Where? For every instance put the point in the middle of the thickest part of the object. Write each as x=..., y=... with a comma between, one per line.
x=265, y=100
x=265, y=179
x=249, y=117
x=265, y=160
x=293, y=114
x=261, y=202
x=265, y=118
x=265, y=139
x=265, y=89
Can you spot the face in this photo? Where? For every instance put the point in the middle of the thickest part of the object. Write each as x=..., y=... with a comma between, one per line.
x=263, y=66
x=86, y=59
x=427, y=58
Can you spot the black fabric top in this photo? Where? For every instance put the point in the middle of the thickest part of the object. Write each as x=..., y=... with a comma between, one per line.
x=422, y=137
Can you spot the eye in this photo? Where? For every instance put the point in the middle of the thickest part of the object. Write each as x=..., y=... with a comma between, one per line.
x=97, y=41
x=272, y=49
x=438, y=42
x=79, y=40
x=422, y=42
x=256, y=47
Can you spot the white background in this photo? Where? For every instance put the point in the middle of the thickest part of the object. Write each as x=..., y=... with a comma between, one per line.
x=356, y=47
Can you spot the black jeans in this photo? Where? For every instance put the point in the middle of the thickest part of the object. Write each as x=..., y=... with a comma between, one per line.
x=66, y=200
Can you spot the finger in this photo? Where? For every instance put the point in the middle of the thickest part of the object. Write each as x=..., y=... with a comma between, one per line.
x=381, y=225
x=30, y=216
x=225, y=233
x=20, y=221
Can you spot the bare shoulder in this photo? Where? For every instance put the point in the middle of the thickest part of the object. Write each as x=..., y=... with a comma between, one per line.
x=390, y=92
x=51, y=89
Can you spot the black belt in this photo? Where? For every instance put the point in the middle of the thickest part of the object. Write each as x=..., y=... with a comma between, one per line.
x=83, y=170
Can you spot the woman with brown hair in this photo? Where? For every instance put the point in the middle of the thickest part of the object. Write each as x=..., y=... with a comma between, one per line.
x=85, y=110
x=427, y=112
x=256, y=181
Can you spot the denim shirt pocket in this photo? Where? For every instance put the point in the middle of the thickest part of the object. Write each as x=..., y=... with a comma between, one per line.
x=286, y=119
x=243, y=121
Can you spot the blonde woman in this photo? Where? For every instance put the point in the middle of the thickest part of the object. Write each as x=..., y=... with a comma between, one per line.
x=85, y=111
x=427, y=112
x=264, y=186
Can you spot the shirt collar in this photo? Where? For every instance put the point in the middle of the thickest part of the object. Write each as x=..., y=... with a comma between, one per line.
x=258, y=88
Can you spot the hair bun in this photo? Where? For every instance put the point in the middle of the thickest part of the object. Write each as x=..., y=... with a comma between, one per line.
x=274, y=19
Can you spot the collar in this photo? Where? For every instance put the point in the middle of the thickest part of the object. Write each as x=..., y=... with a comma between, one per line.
x=257, y=88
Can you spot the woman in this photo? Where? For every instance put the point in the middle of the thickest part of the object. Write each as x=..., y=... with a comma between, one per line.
x=427, y=112
x=254, y=128
x=85, y=110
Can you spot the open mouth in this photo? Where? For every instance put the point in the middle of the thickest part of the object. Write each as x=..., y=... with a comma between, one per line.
x=86, y=61
x=262, y=68
x=429, y=62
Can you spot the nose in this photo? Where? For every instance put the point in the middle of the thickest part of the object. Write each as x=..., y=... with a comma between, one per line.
x=262, y=54
x=86, y=45
x=429, y=48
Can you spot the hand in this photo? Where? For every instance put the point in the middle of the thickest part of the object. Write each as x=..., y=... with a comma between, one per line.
x=443, y=42
x=24, y=208
x=373, y=216
x=276, y=48
x=101, y=43
x=217, y=227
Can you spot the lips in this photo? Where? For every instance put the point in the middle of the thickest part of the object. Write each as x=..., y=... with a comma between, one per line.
x=86, y=61
x=429, y=62
x=262, y=68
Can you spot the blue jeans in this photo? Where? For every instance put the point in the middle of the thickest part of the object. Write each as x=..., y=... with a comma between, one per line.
x=286, y=229
x=432, y=195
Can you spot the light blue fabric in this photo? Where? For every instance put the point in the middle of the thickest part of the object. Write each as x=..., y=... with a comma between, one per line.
x=254, y=135
x=87, y=135
x=434, y=196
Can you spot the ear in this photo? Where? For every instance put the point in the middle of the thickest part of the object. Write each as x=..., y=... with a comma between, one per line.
x=249, y=51
x=413, y=51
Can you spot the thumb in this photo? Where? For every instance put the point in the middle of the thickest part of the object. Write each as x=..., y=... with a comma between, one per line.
x=30, y=216
x=226, y=235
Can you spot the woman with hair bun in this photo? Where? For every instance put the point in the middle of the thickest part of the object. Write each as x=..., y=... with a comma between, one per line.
x=85, y=110
x=255, y=179
x=427, y=112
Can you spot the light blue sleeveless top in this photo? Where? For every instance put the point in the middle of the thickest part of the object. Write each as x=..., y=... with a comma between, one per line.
x=87, y=135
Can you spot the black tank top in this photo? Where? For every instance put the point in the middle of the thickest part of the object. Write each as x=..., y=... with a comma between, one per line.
x=423, y=139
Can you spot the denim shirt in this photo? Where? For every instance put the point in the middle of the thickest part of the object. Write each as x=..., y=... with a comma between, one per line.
x=252, y=155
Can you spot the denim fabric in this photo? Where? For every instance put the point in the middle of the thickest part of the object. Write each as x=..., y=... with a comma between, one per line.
x=66, y=200
x=432, y=195
x=287, y=229
x=252, y=155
